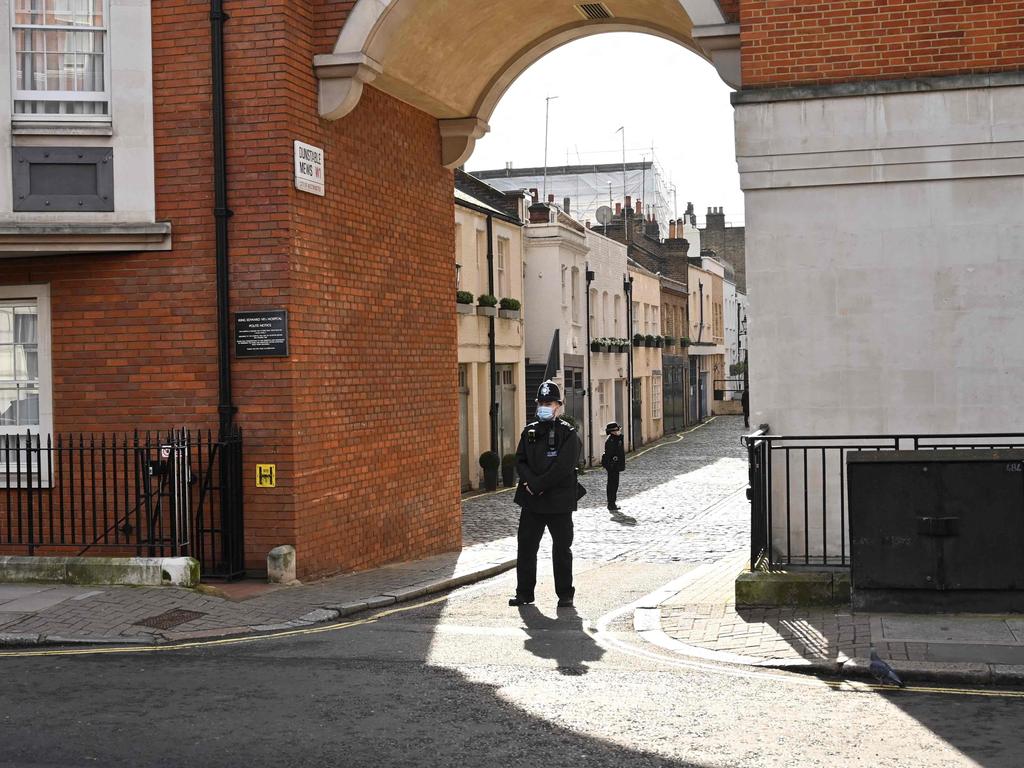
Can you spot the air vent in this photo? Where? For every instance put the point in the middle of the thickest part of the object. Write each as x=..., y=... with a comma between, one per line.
x=594, y=11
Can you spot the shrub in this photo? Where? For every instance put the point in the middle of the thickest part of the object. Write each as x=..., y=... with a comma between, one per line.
x=508, y=460
x=463, y=297
x=638, y=339
x=512, y=304
x=486, y=300
x=670, y=341
x=489, y=460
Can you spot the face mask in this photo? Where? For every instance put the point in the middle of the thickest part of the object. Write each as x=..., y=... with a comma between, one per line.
x=545, y=412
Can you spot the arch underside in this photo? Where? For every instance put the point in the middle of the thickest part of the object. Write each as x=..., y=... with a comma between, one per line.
x=455, y=59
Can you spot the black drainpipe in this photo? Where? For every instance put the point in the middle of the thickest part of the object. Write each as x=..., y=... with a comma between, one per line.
x=225, y=406
x=627, y=285
x=490, y=335
x=590, y=391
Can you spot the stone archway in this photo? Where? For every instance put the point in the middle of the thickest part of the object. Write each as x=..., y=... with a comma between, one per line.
x=455, y=60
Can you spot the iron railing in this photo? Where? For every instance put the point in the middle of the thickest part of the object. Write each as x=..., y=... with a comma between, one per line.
x=798, y=491
x=155, y=494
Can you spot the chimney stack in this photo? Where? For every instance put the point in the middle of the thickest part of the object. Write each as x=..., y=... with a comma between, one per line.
x=629, y=201
x=640, y=207
x=551, y=198
x=618, y=209
x=565, y=205
x=534, y=194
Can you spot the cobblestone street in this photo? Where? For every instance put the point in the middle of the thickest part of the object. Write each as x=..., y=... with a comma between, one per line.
x=673, y=497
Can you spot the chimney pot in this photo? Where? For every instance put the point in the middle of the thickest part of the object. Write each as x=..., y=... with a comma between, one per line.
x=588, y=223
x=618, y=209
x=565, y=205
x=629, y=201
x=534, y=194
x=551, y=198
x=640, y=206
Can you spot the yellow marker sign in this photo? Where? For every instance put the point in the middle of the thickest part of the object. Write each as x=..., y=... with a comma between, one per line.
x=266, y=475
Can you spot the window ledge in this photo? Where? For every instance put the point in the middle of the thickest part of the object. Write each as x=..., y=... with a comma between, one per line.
x=62, y=128
x=42, y=239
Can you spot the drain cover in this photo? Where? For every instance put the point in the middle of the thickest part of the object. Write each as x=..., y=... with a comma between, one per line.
x=169, y=619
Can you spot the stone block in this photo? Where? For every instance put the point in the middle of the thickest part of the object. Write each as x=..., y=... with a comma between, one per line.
x=757, y=588
x=107, y=571
x=841, y=589
x=281, y=565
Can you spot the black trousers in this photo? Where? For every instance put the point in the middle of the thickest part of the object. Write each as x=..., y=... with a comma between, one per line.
x=531, y=530
x=613, y=488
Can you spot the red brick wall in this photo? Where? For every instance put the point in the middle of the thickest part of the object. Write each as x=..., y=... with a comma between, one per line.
x=786, y=43
x=374, y=331
x=730, y=8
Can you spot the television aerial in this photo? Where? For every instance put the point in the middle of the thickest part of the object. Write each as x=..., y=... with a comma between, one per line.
x=603, y=214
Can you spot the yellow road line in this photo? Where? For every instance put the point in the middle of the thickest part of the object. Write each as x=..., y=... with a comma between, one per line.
x=124, y=649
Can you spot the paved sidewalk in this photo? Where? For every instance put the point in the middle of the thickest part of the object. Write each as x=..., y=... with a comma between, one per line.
x=697, y=617
x=44, y=614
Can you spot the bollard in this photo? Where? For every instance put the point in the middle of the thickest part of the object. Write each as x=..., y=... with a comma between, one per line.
x=281, y=565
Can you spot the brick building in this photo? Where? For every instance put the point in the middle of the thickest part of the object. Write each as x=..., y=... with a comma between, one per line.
x=727, y=241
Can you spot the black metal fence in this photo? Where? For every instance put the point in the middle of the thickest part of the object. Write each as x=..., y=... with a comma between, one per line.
x=799, y=501
x=151, y=494
x=732, y=386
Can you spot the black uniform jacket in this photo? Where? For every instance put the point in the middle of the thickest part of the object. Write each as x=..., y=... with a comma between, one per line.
x=614, y=458
x=546, y=461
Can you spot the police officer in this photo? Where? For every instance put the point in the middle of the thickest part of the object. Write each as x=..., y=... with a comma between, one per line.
x=549, y=450
x=614, y=461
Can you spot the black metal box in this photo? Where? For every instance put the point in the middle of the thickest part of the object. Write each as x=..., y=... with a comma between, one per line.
x=937, y=529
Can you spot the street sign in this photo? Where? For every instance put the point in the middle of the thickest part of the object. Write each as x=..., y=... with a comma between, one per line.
x=309, y=168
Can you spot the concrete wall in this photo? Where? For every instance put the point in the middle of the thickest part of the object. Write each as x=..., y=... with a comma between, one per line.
x=895, y=305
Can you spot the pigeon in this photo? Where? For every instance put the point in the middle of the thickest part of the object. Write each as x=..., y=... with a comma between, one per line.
x=882, y=672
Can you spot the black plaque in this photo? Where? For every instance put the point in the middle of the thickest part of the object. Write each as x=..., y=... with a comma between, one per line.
x=263, y=333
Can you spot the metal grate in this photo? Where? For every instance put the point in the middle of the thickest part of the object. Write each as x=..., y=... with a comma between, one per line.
x=168, y=619
x=594, y=10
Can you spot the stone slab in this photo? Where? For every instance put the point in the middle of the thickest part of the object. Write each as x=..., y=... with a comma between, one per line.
x=38, y=601
x=946, y=629
x=976, y=652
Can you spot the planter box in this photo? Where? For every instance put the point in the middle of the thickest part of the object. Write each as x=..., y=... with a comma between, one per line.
x=464, y=309
x=623, y=348
x=486, y=311
x=509, y=314
x=649, y=344
x=604, y=348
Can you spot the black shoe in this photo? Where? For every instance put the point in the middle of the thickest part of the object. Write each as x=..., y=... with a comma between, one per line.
x=613, y=508
x=517, y=601
x=565, y=602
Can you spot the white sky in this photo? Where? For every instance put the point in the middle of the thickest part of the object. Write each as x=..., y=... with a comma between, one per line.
x=664, y=94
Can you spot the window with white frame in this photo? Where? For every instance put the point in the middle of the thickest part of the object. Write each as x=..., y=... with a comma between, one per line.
x=574, y=288
x=61, y=64
x=26, y=406
x=655, y=397
x=501, y=257
x=565, y=294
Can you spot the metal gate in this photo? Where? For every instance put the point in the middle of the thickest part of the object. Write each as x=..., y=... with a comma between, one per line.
x=171, y=494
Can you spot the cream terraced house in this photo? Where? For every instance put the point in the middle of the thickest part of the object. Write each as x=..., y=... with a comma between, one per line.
x=491, y=380
x=647, y=421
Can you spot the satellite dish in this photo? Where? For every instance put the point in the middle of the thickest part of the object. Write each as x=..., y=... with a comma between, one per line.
x=603, y=214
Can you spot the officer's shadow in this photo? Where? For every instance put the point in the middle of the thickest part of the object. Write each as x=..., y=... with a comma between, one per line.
x=561, y=639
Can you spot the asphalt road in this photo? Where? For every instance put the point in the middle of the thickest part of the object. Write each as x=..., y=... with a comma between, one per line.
x=467, y=681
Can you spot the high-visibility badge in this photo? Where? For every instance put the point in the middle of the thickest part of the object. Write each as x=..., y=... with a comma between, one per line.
x=266, y=475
